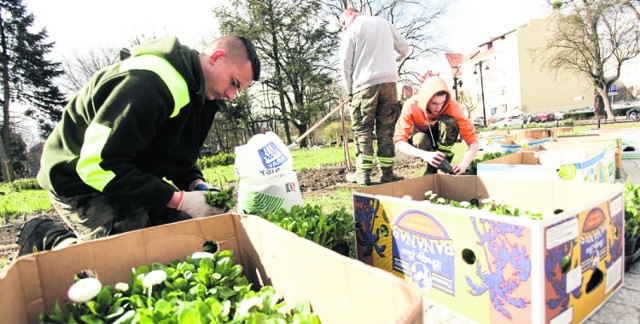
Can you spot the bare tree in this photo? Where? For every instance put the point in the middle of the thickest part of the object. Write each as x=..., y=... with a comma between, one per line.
x=415, y=20
x=80, y=67
x=467, y=103
x=593, y=38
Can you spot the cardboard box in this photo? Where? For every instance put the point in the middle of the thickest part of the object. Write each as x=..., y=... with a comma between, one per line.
x=510, y=145
x=490, y=268
x=630, y=145
x=340, y=289
x=530, y=133
x=613, y=139
x=590, y=161
x=555, y=131
x=485, y=142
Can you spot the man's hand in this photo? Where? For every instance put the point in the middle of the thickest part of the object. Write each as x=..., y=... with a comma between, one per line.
x=194, y=204
x=433, y=158
x=460, y=168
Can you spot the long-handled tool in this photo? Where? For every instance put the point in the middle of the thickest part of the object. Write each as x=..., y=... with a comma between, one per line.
x=345, y=142
x=303, y=136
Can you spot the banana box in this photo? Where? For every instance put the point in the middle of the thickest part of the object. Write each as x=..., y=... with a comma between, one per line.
x=612, y=138
x=587, y=161
x=558, y=265
x=630, y=146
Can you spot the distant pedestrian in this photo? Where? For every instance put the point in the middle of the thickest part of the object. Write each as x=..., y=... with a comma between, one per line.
x=598, y=105
x=370, y=48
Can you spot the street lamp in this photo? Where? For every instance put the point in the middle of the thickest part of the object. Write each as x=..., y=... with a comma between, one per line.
x=484, y=109
x=457, y=83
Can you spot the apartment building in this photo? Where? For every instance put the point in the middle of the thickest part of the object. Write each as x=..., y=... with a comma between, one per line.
x=510, y=75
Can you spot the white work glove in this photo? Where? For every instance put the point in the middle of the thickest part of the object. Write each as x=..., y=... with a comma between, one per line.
x=194, y=204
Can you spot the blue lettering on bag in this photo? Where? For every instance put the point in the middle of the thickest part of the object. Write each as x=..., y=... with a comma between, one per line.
x=272, y=156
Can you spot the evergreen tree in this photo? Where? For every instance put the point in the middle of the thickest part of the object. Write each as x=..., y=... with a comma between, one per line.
x=27, y=76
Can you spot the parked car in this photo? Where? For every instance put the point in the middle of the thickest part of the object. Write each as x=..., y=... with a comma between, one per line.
x=558, y=115
x=580, y=113
x=633, y=114
x=544, y=117
x=508, y=121
x=631, y=110
x=478, y=122
x=533, y=118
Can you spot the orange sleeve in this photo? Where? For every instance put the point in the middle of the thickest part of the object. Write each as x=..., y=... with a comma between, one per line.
x=404, y=124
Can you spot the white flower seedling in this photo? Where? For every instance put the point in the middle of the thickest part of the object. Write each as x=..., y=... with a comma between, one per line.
x=84, y=290
x=153, y=278
x=202, y=255
x=247, y=304
x=122, y=286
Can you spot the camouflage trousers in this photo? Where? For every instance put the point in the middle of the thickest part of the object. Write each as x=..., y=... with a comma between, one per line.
x=445, y=131
x=95, y=215
x=374, y=110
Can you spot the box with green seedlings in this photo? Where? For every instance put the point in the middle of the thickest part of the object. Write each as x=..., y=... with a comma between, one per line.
x=492, y=249
x=170, y=278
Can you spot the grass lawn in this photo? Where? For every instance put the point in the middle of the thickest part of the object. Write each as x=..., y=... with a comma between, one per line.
x=19, y=204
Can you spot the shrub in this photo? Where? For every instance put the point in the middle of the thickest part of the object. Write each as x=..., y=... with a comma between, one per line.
x=333, y=132
x=25, y=184
x=217, y=160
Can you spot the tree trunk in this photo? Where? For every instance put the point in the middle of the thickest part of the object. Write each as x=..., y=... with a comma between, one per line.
x=607, y=105
x=5, y=163
x=5, y=140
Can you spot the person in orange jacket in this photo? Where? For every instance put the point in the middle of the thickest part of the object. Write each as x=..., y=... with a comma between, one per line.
x=429, y=125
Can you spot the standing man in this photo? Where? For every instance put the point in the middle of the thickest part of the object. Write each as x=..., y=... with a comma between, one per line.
x=598, y=104
x=429, y=125
x=124, y=155
x=370, y=48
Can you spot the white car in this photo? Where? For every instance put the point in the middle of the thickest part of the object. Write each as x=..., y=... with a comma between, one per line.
x=507, y=121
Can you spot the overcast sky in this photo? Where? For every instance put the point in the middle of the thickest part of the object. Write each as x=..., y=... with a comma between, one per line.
x=76, y=25
x=473, y=22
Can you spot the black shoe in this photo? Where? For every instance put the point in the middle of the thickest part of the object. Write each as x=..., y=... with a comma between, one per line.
x=359, y=177
x=390, y=177
x=39, y=234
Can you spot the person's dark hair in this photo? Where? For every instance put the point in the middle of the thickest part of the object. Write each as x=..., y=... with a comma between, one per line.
x=240, y=49
x=252, y=56
x=442, y=93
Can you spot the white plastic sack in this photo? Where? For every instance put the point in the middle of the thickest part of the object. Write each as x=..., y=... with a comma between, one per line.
x=264, y=167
